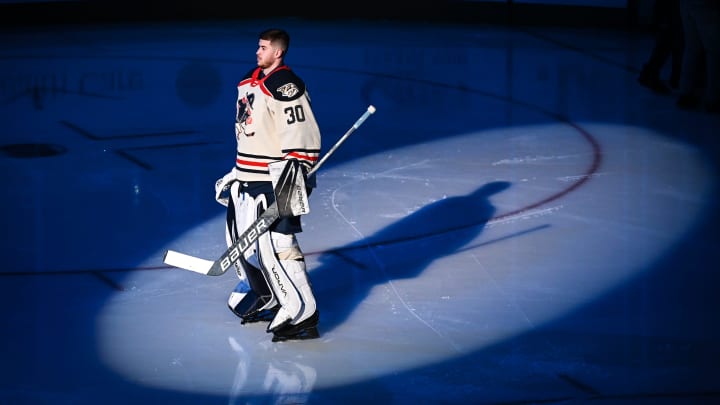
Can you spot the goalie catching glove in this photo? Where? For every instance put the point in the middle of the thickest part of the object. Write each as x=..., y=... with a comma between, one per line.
x=222, y=188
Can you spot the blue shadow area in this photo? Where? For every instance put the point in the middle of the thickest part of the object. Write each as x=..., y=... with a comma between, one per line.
x=348, y=273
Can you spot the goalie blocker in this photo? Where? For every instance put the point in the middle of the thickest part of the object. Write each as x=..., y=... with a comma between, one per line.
x=288, y=180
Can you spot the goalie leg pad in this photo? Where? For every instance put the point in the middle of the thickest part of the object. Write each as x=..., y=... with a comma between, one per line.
x=298, y=276
x=281, y=255
x=281, y=284
x=242, y=212
x=259, y=302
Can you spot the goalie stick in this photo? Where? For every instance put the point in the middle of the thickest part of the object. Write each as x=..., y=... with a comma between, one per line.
x=257, y=228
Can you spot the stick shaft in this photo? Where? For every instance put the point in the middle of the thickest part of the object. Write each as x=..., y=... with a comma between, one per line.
x=342, y=139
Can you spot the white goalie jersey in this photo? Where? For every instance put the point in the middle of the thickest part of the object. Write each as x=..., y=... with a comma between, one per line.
x=274, y=121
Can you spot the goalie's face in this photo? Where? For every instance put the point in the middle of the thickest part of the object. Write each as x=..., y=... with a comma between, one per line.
x=267, y=55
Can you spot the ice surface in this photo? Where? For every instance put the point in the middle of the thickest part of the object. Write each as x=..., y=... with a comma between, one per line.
x=518, y=222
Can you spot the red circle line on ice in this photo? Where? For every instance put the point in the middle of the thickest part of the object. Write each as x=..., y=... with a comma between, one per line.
x=582, y=179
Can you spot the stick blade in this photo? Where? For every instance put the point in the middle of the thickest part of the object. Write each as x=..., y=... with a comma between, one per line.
x=187, y=262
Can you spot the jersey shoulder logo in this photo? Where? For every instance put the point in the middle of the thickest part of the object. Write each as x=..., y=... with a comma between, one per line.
x=288, y=90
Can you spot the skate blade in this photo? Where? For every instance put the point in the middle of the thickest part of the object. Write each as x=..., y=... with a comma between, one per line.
x=310, y=333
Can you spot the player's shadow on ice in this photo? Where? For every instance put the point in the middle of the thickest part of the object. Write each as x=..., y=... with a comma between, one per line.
x=399, y=251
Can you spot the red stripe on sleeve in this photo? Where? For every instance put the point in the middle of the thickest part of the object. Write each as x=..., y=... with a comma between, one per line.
x=250, y=163
x=298, y=155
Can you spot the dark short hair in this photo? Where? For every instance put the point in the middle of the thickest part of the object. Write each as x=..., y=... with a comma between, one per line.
x=279, y=38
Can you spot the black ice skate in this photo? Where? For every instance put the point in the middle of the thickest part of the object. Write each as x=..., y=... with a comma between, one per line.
x=265, y=315
x=306, y=329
